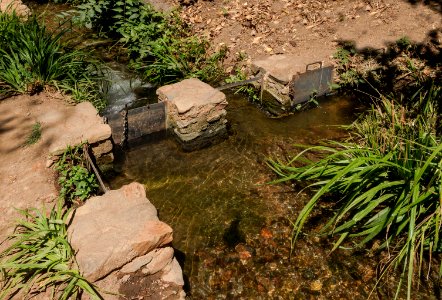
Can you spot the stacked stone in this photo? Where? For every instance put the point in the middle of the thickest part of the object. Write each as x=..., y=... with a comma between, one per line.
x=195, y=112
x=118, y=237
x=82, y=124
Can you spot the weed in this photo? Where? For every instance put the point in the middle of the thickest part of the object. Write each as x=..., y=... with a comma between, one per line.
x=247, y=89
x=40, y=258
x=31, y=58
x=388, y=178
x=35, y=134
x=76, y=182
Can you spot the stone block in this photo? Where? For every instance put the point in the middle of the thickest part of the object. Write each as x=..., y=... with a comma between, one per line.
x=82, y=124
x=109, y=231
x=195, y=112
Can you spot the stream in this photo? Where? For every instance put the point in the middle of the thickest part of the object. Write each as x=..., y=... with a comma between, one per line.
x=231, y=228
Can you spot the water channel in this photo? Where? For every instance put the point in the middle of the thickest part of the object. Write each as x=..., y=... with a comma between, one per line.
x=231, y=228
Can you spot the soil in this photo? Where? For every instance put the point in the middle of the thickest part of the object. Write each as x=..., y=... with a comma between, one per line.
x=25, y=179
x=310, y=28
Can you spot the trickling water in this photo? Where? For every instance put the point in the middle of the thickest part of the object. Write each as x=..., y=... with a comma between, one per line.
x=125, y=89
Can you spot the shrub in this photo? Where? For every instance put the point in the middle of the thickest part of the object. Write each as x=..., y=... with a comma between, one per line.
x=76, y=182
x=388, y=180
x=31, y=58
x=159, y=45
x=40, y=257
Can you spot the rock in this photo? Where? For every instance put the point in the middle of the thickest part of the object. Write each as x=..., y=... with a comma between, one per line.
x=195, y=111
x=9, y=6
x=173, y=273
x=282, y=67
x=110, y=231
x=82, y=124
x=152, y=262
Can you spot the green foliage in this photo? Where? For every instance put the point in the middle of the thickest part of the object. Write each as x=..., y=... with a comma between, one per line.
x=388, y=179
x=159, y=45
x=31, y=58
x=40, y=257
x=348, y=74
x=35, y=134
x=247, y=89
x=76, y=182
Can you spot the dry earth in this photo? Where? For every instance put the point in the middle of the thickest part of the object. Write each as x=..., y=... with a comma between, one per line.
x=25, y=180
x=310, y=28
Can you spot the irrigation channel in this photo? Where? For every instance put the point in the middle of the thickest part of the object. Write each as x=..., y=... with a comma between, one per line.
x=232, y=229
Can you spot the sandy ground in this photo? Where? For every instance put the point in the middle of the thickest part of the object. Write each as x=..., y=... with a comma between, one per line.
x=25, y=181
x=310, y=28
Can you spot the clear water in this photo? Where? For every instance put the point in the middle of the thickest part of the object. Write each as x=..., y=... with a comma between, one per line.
x=231, y=229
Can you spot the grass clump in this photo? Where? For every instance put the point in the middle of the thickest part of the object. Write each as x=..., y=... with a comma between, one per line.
x=76, y=182
x=41, y=258
x=35, y=134
x=388, y=182
x=32, y=58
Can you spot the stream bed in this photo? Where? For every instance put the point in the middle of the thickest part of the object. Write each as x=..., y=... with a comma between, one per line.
x=231, y=229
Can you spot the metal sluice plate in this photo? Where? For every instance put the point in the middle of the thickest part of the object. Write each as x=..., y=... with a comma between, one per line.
x=313, y=82
x=141, y=122
x=146, y=120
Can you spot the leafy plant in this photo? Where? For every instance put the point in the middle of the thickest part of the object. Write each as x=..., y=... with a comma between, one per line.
x=348, y=74
x=76, y=182
x=35, y=134
x=247, y=89
x=31, y=58
x=159, y=45
x=388, y=180
x=40, y=258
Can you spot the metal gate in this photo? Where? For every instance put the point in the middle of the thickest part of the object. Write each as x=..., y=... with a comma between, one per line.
x=132, y=124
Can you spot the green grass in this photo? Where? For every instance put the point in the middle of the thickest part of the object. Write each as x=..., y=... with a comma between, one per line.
x=35, y=134
x=40, y=258
x=387, y=182
x=32, y=58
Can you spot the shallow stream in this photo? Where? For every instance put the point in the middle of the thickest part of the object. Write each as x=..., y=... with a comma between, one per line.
x=231, y=229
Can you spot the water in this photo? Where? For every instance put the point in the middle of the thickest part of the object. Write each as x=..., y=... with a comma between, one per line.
x=231, y=229
x=125, y=89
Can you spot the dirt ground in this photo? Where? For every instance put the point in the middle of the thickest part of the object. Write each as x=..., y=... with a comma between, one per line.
x=25, y=181
x=310, y=28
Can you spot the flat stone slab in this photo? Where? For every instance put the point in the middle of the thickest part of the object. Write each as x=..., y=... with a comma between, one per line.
x=112, y=230
x=190, y=93
x=72, y=127
x=282, y=67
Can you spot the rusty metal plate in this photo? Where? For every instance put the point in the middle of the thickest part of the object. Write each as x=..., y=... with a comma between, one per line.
x=315, y=82
x=146, y=120
x=116, y=123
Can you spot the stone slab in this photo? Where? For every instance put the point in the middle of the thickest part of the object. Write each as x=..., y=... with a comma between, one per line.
x=110, y=231
x=81, y=124
x=282, y=67
x=190, y=93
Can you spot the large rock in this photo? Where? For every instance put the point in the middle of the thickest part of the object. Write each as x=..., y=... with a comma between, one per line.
x=16, y=6
x=77, y=125
x=110, y=231
x=195, y=112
